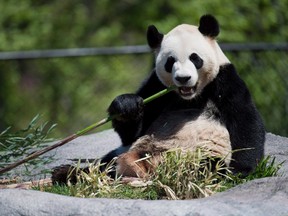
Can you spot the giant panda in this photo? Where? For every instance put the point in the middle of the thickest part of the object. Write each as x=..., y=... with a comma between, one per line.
x=210, y=107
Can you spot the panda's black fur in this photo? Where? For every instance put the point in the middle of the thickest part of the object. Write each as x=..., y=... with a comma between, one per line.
x=232, y=108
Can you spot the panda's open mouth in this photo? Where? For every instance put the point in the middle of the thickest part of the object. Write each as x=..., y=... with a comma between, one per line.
x=187, y=92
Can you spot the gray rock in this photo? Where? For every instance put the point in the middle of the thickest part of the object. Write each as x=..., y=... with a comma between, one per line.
x=268, y=196
x=277, y=146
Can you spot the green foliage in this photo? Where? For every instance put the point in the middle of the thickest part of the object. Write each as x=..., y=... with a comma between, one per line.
x=56, y=189
x=14, y=146
x=267, y=167
x=148, y=192
x=31, y=24
x=77, y=91
x=95, y=183
x=179, y=176
x=192, y=175
x=98, y=183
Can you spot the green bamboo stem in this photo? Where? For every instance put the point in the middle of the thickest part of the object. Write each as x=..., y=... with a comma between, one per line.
x=77, y=134
x=159, y=94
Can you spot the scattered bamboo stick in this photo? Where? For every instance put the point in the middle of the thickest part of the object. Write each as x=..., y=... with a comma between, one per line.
x=77, y=134
x=27, y=185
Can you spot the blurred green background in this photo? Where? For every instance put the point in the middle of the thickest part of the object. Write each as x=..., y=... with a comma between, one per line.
x=75, y=92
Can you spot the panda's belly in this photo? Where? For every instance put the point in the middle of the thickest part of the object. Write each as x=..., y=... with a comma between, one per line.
x=187, y=130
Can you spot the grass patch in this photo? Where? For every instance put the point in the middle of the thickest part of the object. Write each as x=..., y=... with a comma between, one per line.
x=267, y=167
x=56, y=189
x=179, y=176
x=191, y=175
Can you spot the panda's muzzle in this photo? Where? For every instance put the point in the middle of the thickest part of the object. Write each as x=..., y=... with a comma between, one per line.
x=184, y=89
x=183, y=79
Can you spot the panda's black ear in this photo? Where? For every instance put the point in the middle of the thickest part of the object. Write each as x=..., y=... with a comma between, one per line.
x=154, y=37
x=209, y=26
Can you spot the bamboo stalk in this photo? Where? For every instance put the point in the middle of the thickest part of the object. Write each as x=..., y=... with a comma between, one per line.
x=77, y=134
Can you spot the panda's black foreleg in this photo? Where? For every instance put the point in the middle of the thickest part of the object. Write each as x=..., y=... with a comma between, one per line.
x=128, y=110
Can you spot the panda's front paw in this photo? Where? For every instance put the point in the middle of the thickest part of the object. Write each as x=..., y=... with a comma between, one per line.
x=127, y=107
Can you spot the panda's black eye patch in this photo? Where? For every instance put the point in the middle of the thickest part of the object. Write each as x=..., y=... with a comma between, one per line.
x=196, y=60
x=169, y=64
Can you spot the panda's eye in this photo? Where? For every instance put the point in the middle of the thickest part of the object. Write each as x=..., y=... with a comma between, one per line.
x=169, y=64
x=196, y=60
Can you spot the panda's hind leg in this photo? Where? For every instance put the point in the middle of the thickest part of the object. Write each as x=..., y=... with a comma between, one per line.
x=132, y=164
x=140, y=160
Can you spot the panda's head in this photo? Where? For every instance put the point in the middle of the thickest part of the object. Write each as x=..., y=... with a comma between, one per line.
x=188, y=56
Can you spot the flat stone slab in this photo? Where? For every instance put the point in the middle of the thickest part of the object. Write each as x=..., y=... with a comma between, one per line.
x=267, y=196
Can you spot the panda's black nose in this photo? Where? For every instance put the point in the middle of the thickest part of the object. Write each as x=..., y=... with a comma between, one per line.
x=183, y=79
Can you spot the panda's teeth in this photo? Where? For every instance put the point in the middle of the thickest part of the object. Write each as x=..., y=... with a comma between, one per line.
x=186, y=90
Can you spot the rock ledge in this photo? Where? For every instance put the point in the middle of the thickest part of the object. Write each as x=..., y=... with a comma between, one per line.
x=267, y=196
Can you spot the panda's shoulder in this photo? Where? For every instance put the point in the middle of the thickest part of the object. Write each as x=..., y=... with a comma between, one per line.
x=227, y=86
x=229, y=80
x=228, y=73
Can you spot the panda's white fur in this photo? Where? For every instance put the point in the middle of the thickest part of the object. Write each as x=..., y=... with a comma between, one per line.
x=180, y=43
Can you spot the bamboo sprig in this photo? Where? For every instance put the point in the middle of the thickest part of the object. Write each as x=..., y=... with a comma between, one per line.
x=78, y=133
